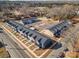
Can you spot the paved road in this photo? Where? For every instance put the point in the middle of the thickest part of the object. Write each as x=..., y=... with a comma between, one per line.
x=13, y=48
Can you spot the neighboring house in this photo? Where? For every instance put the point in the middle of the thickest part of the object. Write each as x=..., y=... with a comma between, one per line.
x=60, y=27
x=30, y=20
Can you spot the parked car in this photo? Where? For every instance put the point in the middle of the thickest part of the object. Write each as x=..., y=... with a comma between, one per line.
x=1, y=30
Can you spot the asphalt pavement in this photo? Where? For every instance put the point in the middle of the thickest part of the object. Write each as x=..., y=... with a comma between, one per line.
x=13, y=48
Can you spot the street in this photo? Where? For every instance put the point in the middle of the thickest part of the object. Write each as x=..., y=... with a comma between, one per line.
x=16, y=50
x=12, y=47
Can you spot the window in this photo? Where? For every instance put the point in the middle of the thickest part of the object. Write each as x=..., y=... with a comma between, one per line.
x=23, y=31
x=27, y=33
x=39, y=39
x=16, y=26
x=30, y=34
x=1, y=44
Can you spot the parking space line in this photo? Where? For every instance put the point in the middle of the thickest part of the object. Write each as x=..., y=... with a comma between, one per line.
x=31, y=51
x=22, y=39
x=18, y=44
x=21, y=42
x=28, y=42
x=31, y=44
x=48, y=49
x=35, y=49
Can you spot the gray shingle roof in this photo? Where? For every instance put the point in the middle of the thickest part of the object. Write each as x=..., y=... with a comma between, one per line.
x=60, y=26
x=29, y=20
x=39, y=37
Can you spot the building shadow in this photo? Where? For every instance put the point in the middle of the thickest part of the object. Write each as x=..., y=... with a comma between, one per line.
x=57, y=46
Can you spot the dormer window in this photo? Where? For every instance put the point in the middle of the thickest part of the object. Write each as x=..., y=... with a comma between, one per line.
x=27, y=33
x=35, y=37
x=40, y=40
x=23, y=31
x=30, y=34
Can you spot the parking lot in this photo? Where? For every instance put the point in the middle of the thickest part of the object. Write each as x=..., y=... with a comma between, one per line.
x=30, y=46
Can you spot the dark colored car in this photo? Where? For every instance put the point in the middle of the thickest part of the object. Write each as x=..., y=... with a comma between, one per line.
x=1, y=30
